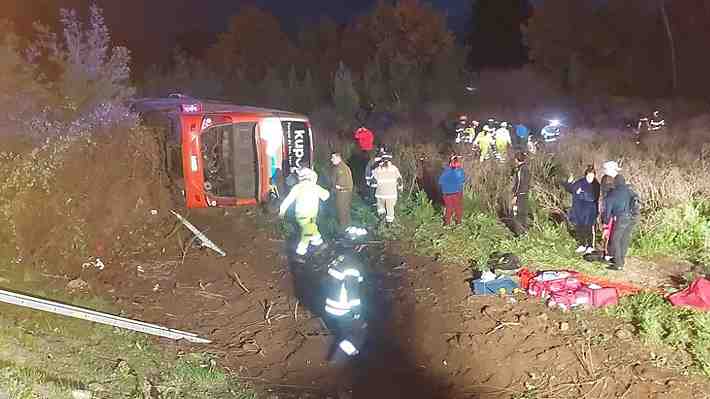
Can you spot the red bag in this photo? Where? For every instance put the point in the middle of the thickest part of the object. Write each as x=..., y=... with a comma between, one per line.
x=567, y=299
x=601, y=297
x=697, y=295
x=546, y=283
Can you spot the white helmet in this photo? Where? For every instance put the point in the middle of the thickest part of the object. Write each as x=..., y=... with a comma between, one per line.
x=307, y=174
x=504, y=124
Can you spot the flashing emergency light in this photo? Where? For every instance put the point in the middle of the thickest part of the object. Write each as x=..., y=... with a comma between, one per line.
x=191, y=108
x=555, y=122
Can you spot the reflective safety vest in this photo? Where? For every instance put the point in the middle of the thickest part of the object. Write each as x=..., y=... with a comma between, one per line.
x=656, y=124
x=344, y=296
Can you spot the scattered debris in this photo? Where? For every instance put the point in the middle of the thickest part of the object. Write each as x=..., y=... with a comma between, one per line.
x=153, y=212
x=97, y=264
x=77, y=285
x=206, y=242
x=564, y=326
x=624, y=333
x=80, y=394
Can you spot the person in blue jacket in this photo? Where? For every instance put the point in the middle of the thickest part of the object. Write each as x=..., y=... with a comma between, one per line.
x=451, y=182
x=521, y=137
x=585, y=206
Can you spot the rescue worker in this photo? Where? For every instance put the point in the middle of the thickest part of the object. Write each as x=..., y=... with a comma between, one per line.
x=342, y=181
x=622, y=209
x=585, y=206
x=459, y=128
x=306, y=195
x=521, y=135
x=483, y=141
x=388, y=182
x=642, y=129
x=451, y=182
x=343, y=302
x=521, y=185
x=502, y=140
x=469, y=132
x=372, y=164
x=657, y=122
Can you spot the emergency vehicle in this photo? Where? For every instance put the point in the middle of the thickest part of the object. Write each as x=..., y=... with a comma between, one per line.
x=219, y=154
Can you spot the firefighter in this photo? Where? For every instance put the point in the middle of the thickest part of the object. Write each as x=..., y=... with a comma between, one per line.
x=342, y=184
x=388, y=183
x=460, y=128
x=306, y=195
x=469, y=132
x=657, y=122
x=483, y=141
x=642, y=128
x=503, y=141
x=343, y=301
x=372, y=164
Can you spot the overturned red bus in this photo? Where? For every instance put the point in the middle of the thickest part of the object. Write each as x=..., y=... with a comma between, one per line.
x=219, y=154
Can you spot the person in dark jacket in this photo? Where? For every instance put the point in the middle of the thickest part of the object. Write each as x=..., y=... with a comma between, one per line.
x=451, y=182
x=618, y=209
x=342, y=186
x=585, y=205
x=521, y=185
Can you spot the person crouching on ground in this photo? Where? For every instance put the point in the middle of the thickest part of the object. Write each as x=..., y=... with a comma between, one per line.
x=451, y=182
x=307, y=195
x=585, y=204
x=388, y=183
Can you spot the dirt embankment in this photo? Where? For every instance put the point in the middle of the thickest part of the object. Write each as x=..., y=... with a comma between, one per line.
x=428, y=338
x=74, y=199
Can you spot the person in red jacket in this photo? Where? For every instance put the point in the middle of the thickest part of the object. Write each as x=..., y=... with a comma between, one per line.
x=365, y=139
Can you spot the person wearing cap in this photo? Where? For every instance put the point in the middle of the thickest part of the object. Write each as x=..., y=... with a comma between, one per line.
x=483, y=141
x=503, y=141
x=388, y=183
x=583, y=215
x=451, y=182
x=306, y=195
x=521, y=185
x=372, y=164
x=342, y=181
x=617, y=220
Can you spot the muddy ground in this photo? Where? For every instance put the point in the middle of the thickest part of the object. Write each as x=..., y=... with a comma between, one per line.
x=428, y=336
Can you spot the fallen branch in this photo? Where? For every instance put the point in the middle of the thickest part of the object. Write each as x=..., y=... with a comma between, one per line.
x=502, y=325
x=235, y=277
x=295, y=311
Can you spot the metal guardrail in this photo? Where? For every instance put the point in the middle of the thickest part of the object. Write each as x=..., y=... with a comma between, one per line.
x=97, y=317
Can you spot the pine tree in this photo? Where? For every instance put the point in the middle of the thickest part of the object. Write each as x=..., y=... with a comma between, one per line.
x=345, y=97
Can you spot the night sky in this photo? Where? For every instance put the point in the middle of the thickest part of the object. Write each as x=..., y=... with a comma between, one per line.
x=151, y=28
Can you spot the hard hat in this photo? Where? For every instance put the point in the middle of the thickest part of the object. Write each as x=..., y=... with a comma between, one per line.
x=307, y=174
x=463, y=117
x=504, y=124
x=486, y=128
x=656, y=113
x=475, y=123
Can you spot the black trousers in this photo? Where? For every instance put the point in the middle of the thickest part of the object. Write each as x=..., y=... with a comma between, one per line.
x=621, y=239
x=520, y=216
x=584, y=234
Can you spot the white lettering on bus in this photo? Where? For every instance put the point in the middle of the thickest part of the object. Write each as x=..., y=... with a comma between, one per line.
x=298, y=146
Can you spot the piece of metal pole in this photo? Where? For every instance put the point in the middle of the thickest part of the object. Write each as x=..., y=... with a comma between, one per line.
x=206, y=242
x=97, y=317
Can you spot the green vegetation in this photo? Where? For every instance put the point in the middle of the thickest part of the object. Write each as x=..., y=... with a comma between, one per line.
x=50, y=356
x=659, y=322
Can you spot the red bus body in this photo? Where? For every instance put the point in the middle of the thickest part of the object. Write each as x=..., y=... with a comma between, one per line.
x=222, y=155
